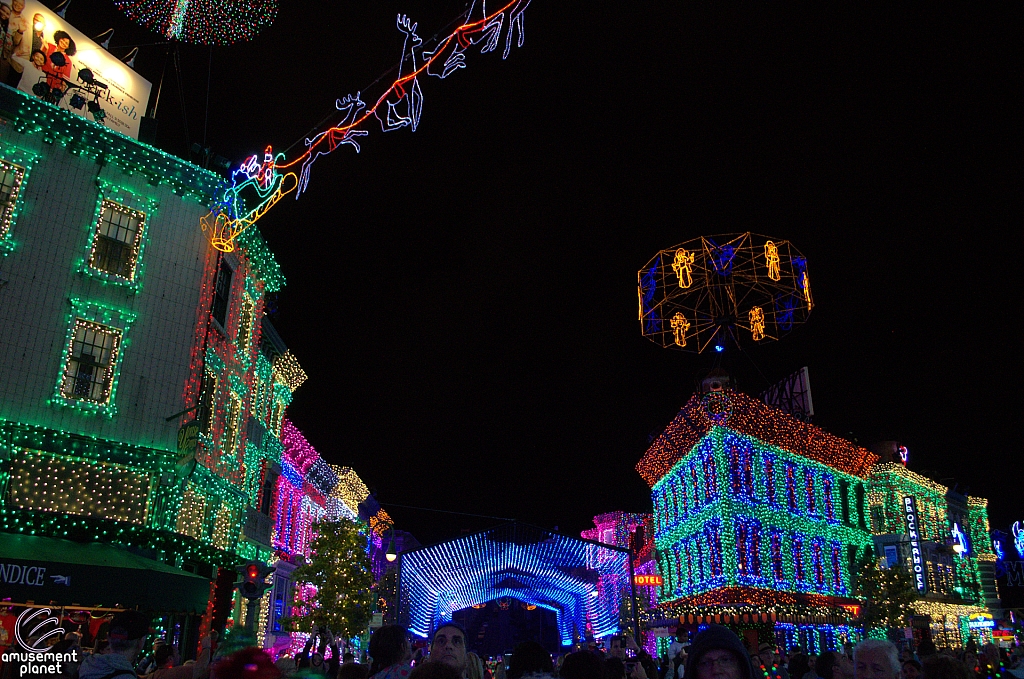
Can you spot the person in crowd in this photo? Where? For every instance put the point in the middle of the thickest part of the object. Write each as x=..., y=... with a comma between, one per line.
x=926, y=647
x=770, y=664
x=876, y=659
x=474, y=666
x=391, y=653
x=942, y=666
x=799, y=666
x=529, y=659
x=248, y=663
x=126, y=638
x=911, y=669
x=625, y=647
x=583, y=665
x=347, y=658
x=812, y=667
x=717, y=653
x=834, y=665
x=353, y=671
x=449, y=647
x=435, y=670
x=970, y=660
x=990, y=664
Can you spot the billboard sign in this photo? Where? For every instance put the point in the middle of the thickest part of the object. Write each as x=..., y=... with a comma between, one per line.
x=916, y=558
x=47, y=58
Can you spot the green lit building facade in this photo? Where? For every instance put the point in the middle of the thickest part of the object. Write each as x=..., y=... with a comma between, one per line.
x=118, y=325
x=759, y=520
x=958, y=587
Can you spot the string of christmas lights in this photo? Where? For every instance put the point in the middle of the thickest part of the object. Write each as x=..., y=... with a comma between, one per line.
x=202, y=22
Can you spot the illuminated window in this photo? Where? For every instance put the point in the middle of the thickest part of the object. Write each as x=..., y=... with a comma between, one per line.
x=748, y=547
x=245, y=318
x=769, y=478
x=812, y=498
x=778, y=569
x=826, y=493
x=741, y=467
x=89, y=371
x=116, y=241
x=712, y=531
x=710, y=478
x=798, y=558
x=231, y=423
x=11, y=176
x=222, y=294
x=208, y=401
x=818, y=563
x=837, y=570
x=54, y=483
x=791, y=498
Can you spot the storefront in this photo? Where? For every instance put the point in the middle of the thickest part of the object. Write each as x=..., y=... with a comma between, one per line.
x=84, y=582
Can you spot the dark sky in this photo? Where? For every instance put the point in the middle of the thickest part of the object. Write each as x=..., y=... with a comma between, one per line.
x=463, y=297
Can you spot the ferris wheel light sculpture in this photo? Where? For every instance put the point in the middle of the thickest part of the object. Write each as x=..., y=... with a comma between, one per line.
x=717, y=291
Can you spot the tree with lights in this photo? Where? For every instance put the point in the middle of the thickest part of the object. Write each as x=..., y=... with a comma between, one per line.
x=887, y=594
x=339, y=569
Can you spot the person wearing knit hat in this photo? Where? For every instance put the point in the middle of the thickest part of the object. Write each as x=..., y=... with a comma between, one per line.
x=769, y=668
x=717, y=653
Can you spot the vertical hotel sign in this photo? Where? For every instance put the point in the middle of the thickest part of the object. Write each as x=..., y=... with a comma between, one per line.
x=33, y=36
x=916, y=559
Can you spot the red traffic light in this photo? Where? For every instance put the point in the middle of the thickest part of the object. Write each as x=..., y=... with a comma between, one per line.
x=252, y=571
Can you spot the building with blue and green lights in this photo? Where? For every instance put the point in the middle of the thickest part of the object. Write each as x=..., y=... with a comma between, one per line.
x=759, y=520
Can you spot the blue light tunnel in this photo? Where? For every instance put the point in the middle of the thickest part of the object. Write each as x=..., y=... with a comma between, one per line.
x=583, y=582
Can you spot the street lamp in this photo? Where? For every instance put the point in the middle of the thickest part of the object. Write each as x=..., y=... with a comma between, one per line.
x=391, y=554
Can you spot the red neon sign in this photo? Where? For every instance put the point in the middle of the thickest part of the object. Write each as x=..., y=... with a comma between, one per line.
x=648, y=580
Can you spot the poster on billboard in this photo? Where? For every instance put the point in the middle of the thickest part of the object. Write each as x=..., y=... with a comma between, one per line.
x=47, y=58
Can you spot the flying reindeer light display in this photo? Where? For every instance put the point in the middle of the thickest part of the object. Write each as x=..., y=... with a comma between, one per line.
x=257, y=185
x=717, y=291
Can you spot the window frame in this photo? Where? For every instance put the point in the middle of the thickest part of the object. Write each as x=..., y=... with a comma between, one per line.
x=133, y=247
x=25, y=161
x=104, y=318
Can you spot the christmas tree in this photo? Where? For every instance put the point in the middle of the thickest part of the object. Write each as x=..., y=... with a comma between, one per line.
x=339, y=570
x=887, y=594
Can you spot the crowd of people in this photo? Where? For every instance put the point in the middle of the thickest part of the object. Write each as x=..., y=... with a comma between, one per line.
x=715, y=653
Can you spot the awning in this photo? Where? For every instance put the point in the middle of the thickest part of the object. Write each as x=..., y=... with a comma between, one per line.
x=52, y=571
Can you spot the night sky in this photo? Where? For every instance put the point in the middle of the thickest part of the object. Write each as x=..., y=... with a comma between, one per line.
x=463, y=297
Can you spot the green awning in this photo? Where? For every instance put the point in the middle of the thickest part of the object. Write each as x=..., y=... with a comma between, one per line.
x=47, y=570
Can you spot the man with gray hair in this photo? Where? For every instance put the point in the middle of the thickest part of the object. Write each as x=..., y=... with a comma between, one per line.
x=876, y=659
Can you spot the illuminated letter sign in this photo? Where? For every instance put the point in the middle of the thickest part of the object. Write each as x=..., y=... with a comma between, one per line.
x=917, y=562
x=648, y=580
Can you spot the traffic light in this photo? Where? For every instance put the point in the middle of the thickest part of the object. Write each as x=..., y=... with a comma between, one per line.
x=254, y=579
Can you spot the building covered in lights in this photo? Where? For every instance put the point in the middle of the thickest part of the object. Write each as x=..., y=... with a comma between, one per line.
x=143, y=392
x=759, y=519
x=307, y=491
x=955, y=563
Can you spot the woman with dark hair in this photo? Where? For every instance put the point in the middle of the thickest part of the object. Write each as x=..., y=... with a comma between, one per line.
x=58, y=68
x=391, y=653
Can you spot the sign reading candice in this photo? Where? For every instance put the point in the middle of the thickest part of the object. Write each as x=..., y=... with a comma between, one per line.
x=49, y=59
x=916, y=558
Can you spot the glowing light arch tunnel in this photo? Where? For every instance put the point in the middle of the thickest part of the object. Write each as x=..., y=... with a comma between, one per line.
x=584, y=583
